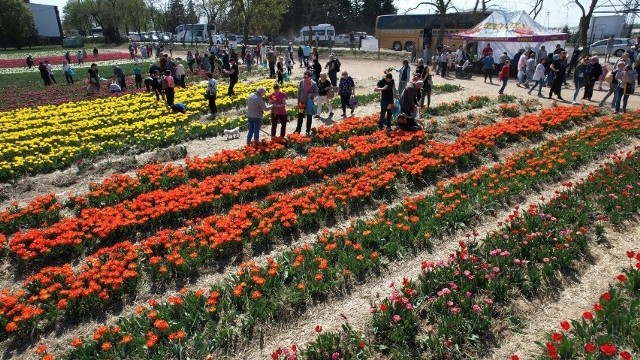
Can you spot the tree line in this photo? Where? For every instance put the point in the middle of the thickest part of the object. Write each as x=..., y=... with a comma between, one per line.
x=258, y=17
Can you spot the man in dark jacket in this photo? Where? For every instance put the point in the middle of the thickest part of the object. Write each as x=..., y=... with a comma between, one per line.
x=44, y=73
x=594, y=70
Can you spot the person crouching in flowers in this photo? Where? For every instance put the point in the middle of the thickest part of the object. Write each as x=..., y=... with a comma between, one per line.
x=255, y=107
x=279, y=111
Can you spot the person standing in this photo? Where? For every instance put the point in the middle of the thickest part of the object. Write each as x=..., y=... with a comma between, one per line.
x=290, y=51
x=574, y=59
x=626, y=86
x=542, y=53
x=278, y=100
x=487, y=67
x=592, y=74
x=613, y=86
x=255, y=107
x=68, y=72
x=522, y=70
x=190, y=60
x=324, y=86
x=271, y=60
x=330, y=42
x=414, y=53
x=306, y=52
x=137, y=75
x=317, y=69
x=427, y=80
x=386, y=87
x=29, y=61
x=487, y=50
x=425, y=55
x=119, y=77
x=180, y=75
x=609, y=51
x=95, y=52
x=579, y=78
x=538, y=76
x=280, y=70
x=307, y=91
x=352, y=41
x=233, y=76
x=300, y=56
x=157, y=85
x=94, y=79
x=334, y=67
x=84, y=55
x=504, y=76
x=558, y=67
x=168, y=86
x=530, y=68
x=346, y=89
x=405, y=73
x=50, y=71
x=211, y=93
x=44, y=73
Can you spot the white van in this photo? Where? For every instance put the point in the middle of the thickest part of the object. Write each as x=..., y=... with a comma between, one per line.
x=321, y=32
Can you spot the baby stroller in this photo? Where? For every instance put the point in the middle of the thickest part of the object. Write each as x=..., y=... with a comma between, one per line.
x=463, y=70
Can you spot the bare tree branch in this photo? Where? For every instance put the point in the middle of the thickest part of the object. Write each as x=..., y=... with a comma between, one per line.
x=537, y=8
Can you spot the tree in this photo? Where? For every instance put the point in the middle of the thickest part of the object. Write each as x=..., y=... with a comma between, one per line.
x=371, y=9
x=16, y=24
x=537, y=8
x=585, y=19
x=261, y=16
x=483, y=4
x=442, y=7
x=77, y=15
x=176, y=14
x=191, y=17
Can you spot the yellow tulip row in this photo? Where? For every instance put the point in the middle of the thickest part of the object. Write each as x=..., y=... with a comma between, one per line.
x=51, y=137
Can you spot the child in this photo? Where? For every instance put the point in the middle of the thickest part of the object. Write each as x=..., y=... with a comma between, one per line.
x=605, y=70
x=179, y=107
x=114, y=88
x=504, y=75
x=168, y=86
x=137, y=73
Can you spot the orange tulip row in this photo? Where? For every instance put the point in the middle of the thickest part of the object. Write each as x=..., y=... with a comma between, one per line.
x=186, y=249
x=97, y=225
x=329, y=261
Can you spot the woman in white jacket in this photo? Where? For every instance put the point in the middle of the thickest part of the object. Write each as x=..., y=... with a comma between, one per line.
x=538, y=76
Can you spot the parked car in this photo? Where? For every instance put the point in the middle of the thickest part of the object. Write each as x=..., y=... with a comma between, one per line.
x=253, y=40
x=620, y=45
x=341, y=40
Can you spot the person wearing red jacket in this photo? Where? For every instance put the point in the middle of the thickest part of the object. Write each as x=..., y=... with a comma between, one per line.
x=504, y=75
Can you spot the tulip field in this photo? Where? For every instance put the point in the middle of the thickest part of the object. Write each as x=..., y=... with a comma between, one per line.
x=241, y=253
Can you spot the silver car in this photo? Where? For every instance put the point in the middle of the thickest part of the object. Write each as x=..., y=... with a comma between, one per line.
x=341, y=40
x=620, y=46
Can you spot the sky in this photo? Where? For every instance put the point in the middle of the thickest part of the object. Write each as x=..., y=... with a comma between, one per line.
x=555, y=13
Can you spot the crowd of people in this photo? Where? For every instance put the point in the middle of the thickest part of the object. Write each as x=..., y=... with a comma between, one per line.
x=535, y=70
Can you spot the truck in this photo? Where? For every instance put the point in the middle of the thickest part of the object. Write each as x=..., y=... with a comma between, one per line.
x=601, y=27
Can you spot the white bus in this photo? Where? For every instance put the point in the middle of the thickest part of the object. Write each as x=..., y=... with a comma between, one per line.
x=196, y=33
x=321, y=32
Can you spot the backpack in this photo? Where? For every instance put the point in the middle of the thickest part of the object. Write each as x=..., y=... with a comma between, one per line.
x=336, y=65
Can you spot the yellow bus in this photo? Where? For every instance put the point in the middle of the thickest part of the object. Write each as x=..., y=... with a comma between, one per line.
x=402, y=32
